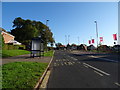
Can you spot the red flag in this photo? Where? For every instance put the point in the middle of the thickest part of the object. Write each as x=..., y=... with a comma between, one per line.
x=101, y=39
x=115, y=36
x=89, y=41
x=92, y=40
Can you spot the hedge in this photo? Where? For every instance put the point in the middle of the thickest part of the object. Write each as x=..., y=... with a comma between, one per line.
x=13, y=47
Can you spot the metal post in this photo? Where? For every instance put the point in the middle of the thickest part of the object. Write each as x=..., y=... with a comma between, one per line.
x=78, y=41
x=97, y=33
x=47, y=22
x=68, y=39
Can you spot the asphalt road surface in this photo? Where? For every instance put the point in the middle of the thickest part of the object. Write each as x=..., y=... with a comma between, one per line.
x=84, y=70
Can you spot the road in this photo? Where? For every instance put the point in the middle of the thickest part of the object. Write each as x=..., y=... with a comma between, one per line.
x=84, y=70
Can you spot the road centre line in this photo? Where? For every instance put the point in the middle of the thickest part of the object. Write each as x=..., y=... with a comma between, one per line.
x=96, y=69
x=98, y=73
x=103, y=58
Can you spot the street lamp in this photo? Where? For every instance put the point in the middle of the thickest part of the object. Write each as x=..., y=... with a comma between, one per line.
x=47, y=22
x=68, y=39
x=96, y=33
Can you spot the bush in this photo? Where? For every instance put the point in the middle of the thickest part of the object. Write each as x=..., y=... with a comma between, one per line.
x=10, y=47
x=23, y=47
x=50, y=48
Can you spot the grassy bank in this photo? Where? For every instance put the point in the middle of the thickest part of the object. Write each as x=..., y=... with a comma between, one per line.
x=49, y=53
x=9, y=53
x=22, y=74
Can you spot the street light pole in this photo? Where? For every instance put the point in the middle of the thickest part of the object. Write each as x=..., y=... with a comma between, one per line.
x=96, y=33
x=47, y=22
x=68, y=39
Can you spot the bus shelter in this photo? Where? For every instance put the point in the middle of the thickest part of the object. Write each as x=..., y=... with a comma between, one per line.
x=37, y=47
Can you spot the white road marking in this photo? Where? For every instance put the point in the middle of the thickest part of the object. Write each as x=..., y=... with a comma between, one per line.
x=85, y=66
x=75, y=59
x=65, y=63
x=73, y=62
x=117, y=84
x=59, y=60
x=98, y=73
x=62, y=64
x=96, y=69
x=70, y=63
x=54, y=64
x=64, y=60
x=79, y=62
x=103, y=58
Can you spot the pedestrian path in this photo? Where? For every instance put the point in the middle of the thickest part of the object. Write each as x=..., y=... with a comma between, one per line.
x=25, y=57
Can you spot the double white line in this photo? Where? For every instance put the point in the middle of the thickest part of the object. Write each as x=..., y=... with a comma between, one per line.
x=96, y=69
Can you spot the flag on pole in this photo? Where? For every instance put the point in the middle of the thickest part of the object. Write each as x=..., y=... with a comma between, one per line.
x=101, y=39
x=89, y=41
x=93, y=41
x=115, y=36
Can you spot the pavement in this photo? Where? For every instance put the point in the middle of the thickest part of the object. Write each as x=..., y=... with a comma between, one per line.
x=25, y=58
x=84, y=70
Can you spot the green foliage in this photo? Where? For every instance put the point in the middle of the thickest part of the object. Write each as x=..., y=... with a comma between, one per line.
x=1, y=37
x=22, y=47
x=10, y=47
x=50, y=48
x=22, y=74
x=104, y=48
x=25, y=30
x=49, y=53
x=58, y=44
x=9, y=53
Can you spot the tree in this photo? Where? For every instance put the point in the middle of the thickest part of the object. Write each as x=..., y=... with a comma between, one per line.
x=58, y=44
x=25, y=30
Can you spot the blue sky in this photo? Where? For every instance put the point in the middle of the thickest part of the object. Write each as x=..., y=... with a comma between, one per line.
x=67, y=18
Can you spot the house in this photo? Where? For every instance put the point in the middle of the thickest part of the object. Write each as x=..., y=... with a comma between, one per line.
x=74, y=47
x=62, y=47
x=82, y=47
x=104, y=48
x=91, y=47
x=68, y=47
x=8, y=38
x=116, y=47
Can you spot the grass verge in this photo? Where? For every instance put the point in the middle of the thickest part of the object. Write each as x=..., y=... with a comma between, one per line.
x=9, y=53
x=49, y=53
x=22, y=74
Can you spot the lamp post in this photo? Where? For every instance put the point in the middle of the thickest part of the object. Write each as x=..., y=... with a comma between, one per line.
x=47, y=22
x=96, y=33
x=68, y=39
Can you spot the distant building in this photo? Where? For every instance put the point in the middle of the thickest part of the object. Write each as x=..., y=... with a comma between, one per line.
x=62, y=47
x=116, y=47
x=91, y=47
x=82, y=47
x=74, y=47
x=104, y=48
x=68, y=47
x=8, y=38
